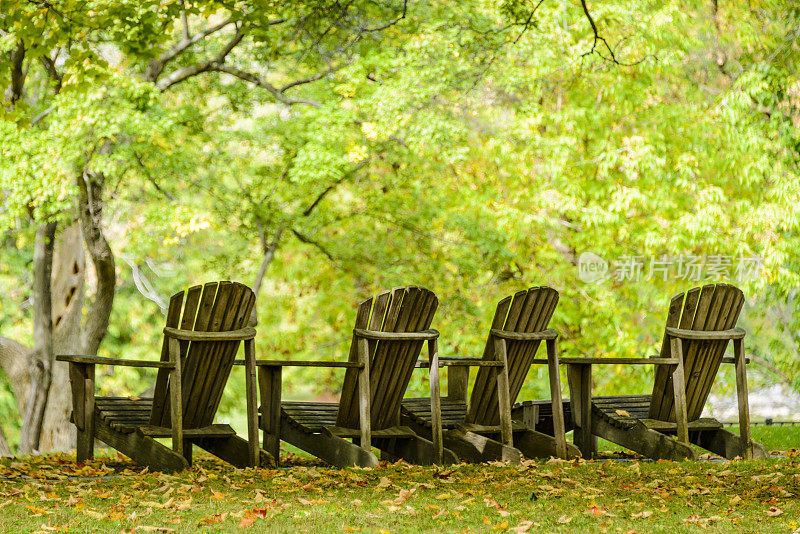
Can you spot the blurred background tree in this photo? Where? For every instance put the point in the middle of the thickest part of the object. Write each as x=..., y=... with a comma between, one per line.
x=321, y=152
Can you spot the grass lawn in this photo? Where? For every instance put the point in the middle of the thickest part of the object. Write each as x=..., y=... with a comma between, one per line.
x=52, y=493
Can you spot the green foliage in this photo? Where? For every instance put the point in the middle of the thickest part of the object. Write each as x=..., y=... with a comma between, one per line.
x=473, y=148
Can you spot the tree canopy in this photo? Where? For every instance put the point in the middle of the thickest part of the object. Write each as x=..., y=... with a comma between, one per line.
x=323, y=151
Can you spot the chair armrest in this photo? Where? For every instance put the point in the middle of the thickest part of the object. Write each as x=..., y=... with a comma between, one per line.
x=733, y=333
x=99, y=360
x=301, y=363
x=626, y=361
x=191, y=335
x=549, y=333
x=459, y=361
x=423, y=335
x=731, y=359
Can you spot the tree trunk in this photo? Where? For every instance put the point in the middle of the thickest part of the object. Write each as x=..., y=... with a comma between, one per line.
x=90, y=210
x=67, y=290
x=5, y=450
x=42, y=358
x=69, y=264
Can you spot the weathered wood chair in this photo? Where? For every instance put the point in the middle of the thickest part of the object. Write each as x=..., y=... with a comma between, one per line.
x=519, y=326
x=699, y=325
x=201, y=339
x=389, y=333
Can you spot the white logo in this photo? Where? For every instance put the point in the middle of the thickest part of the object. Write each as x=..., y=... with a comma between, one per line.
x=592, y=268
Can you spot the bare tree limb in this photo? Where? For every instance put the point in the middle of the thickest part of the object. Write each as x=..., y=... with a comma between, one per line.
x=150, y=178
x=261, y=82
x=316, y=244
x=304, y=81
x=269, y=254
x=597, y=38
x=390, y=23
x=156, y=66
x=184, y=73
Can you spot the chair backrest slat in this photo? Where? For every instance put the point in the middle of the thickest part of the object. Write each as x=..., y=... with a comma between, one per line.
x=403, y=309
x=710, y=308
x=527, y=311
x=214, y=307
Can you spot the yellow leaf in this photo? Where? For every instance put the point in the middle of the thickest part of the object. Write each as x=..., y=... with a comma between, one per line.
x=622, y=413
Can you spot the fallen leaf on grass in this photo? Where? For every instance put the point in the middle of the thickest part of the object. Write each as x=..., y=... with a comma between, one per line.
x=524, y=526
x=597, y=511
x=774, y=511
x=643, y=513
x=443, y=474
x=96, y=515
x=564, y=519
x=247, y=520
x=735, y=500
x=213, y=519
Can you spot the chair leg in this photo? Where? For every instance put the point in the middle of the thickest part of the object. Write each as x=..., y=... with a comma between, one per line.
x=269, y=386
x=559, y=432
x=82, y=383
x=742, y=398
x=679, y=387
x=580, y=393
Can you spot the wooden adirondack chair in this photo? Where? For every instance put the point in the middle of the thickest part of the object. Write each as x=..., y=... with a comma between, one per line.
x=201, y=339
x=519, y=326
x=699, y=325
x=389, y=333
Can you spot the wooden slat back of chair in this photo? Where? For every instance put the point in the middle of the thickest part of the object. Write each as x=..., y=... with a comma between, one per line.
x=403, y=309
x=527, y=311
x=707, y=308
x=205, y=365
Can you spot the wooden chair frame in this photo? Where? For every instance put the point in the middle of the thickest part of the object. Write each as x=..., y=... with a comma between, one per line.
x=579, y=372
x=458, y=370
x=270, y=382
x=139, y=445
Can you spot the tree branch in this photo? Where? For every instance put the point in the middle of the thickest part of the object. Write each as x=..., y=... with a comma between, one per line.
x=156, y=66
x=90, y=209
x=783, y=377
x=390, y=23
x=261, y=82
x=597, y=38
x=269, y=253
x=50, y=67
x=184, y=73
x=150, y=178
x=315, y=203
x=316, y=244
x=17, y=57
x=303, y=81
